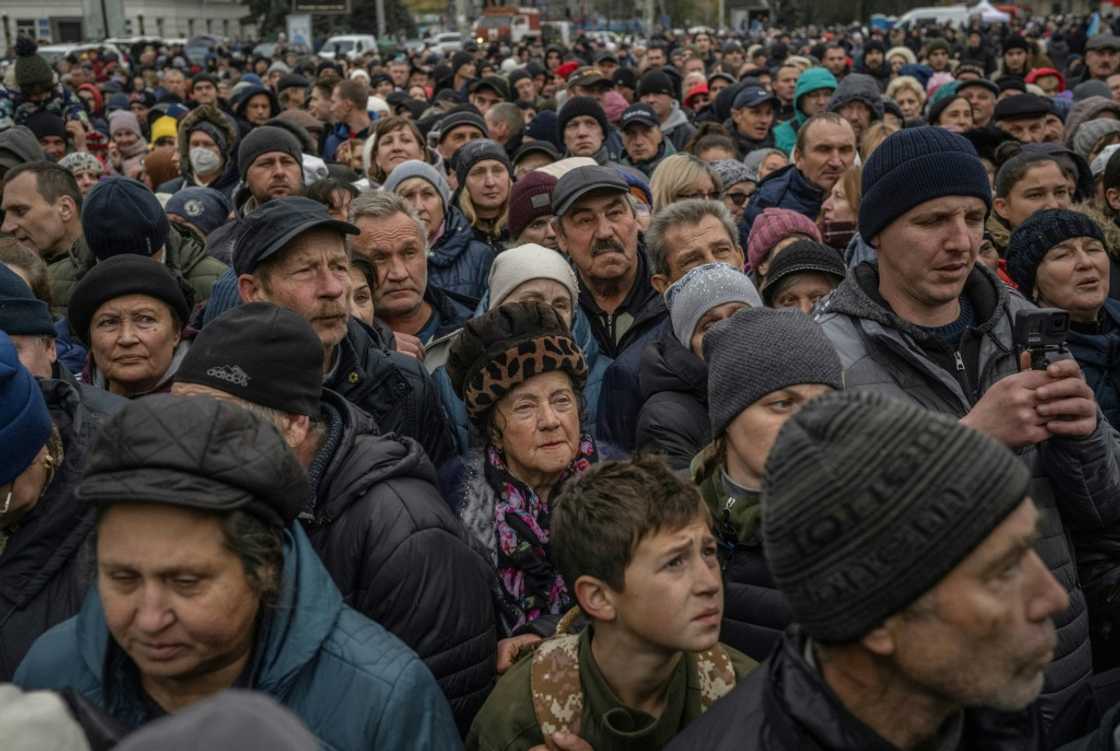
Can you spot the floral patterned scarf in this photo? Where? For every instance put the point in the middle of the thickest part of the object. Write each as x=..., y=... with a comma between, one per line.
x=529, y=583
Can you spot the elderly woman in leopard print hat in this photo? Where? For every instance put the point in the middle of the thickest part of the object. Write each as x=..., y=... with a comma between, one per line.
x=520, y=374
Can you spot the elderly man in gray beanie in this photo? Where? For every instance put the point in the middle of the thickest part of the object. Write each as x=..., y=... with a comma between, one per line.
x=905, y=545
x=673, y=376
x=925, y=323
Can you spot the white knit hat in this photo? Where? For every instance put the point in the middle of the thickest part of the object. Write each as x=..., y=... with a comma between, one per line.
x=514, y=267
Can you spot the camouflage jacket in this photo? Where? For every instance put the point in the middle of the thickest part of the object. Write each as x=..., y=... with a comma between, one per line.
x=509, y=720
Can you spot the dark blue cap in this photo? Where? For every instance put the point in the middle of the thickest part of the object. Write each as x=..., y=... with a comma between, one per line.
x=21, y=313
x=642, y=114
x=268, y=229
x=752, y=96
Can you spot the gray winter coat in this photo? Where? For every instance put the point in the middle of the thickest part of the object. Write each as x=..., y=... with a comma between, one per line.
x=1078, y=479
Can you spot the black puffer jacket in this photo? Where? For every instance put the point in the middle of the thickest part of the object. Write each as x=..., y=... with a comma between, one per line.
x=399, y=555
x=785, y=705
x=43, y=571
x=393, y=388
x=674, y=386
x=1075, y=483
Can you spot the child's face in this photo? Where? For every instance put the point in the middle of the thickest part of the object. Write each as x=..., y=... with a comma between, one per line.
x=673, y=596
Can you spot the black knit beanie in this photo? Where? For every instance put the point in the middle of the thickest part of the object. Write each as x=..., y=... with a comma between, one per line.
x=579, y=106
x=802, y=257
x=122, y=275
x=1035, y=237
x=473, y=152
x=867, y=503
x=761, y=350
x=913, y=166
x=33, y=73
x=264, y=139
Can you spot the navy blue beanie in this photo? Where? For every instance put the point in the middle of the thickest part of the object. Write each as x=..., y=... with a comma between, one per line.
x=913, y=166
x=25, y=424
x=205, y=208
x=1035, y=237
x=21, y=313
x=120, y=215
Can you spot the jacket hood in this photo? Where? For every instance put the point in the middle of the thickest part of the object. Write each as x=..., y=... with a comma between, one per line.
x=858, y=297
x=808, y=82
x=1087, y=109
x=858, y=87
x=250, y=92
x=676, y=119
x=291, y=636
x=360, y=458
x=667, y=366
x=456, y=238
x=213, y=116
x=20, y=141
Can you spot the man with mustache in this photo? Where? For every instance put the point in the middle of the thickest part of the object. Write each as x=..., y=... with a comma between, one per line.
x=292, y=253
x=926, y=324
x=907, y=546
x=596, y=227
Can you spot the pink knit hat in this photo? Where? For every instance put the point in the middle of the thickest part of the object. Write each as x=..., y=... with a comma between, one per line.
x=771, y=227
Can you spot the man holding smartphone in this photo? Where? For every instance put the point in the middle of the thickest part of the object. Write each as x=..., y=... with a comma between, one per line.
x=924, y=323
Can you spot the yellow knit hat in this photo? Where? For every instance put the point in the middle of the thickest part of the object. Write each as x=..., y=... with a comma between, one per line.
x=164, y=127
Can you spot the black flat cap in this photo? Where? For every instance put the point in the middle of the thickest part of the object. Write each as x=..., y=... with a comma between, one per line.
x=194, y=452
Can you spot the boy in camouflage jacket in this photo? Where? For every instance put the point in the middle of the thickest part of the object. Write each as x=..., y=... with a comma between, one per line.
x=635, y=547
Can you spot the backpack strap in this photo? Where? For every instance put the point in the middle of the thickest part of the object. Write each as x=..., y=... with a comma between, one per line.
x=555, y=685
x=716, y=675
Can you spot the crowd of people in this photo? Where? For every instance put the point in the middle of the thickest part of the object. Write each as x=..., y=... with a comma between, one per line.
x=539, y=397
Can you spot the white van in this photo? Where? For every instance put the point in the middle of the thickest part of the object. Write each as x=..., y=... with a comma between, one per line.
x=350, y=46
x=957, y=15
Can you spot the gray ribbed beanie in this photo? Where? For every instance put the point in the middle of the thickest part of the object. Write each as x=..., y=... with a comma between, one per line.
x=760, y=350
x=423, y=170
x=703, y=288
x=867, y=503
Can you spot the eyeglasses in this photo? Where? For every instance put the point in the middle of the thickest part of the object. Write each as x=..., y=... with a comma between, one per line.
x=737, y=197
x=690, y=196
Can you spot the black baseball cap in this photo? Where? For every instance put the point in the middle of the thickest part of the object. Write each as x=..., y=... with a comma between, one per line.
x=639, y=113
x=577, y=183
x=753, y=96
x=265, y=231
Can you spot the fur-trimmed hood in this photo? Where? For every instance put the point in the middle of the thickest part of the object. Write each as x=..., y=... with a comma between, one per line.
x=214, y=116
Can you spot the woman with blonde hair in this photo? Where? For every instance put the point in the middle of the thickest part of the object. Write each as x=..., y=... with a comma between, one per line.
x=909, y=95
x=680, y=177
x=840, y=211
x=485, y=183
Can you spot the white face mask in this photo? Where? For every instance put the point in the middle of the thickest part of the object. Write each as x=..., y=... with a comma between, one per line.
x=204, y=161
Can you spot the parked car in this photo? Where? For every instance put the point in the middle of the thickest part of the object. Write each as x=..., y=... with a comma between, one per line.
x=350, y=46
x=448, y=42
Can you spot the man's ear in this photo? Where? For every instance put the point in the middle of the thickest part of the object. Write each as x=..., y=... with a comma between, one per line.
x=1112, y=196
x=880, y=640
x=660, y=283
x=67, y=209
x=249, y=289
x=596, y=598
